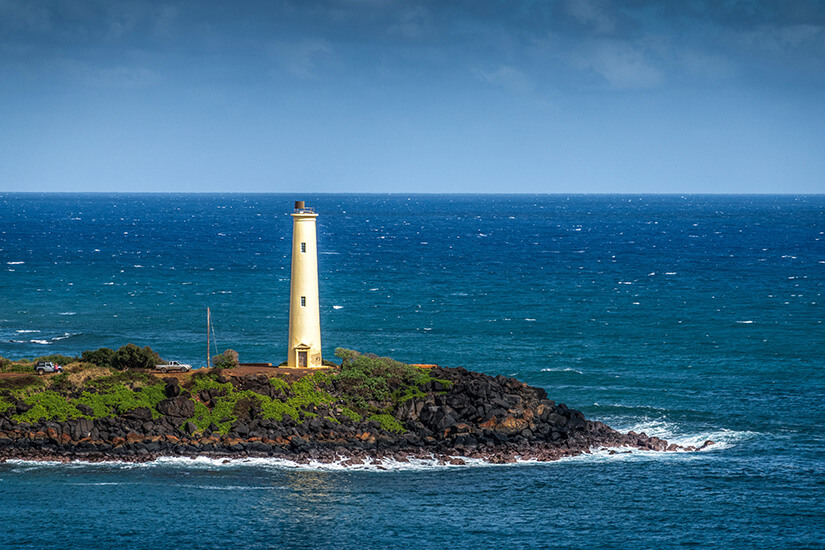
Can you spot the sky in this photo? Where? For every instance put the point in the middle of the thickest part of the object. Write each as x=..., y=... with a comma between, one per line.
x=413, y=96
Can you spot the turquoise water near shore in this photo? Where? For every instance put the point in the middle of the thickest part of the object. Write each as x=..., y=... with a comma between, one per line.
x=685, y=317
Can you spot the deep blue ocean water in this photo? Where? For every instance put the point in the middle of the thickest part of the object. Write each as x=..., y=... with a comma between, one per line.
x=688, y=317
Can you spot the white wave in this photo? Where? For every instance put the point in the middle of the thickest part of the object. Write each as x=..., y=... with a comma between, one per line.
x=68, y=313
x=745, y=322
x=565, y=369
x=25, y=331
x=673, y=433
x=43, y=342
x=343, y=464
x=15, y=263
x=337, y=307
x=530, y=320
x=670, y=273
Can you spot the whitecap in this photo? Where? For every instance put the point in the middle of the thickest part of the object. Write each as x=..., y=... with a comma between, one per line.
x=745, y=322
x=670, y=273
x=529, y=319
x=673, y=433
x=42, y=342
x=337, y=307
x=15, y=263
x=67, y=313
x=565, y=369
x=26, y=331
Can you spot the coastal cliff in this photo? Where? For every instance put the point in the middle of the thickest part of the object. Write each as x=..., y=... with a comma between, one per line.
x=370, y=407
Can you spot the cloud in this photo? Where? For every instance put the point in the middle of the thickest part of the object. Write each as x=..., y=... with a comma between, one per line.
x=623, y=65
x=507, y=78
x=305, y=59
x=591, y=13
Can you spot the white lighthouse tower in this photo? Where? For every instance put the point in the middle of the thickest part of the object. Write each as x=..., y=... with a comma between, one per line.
x=304, y=309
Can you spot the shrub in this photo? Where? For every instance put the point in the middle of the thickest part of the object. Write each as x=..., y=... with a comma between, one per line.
x=103, y=357
x=226, y=360
x=367, y=377
x=131, y=356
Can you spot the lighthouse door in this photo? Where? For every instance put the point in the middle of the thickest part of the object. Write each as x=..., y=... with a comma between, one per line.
x=302, y=359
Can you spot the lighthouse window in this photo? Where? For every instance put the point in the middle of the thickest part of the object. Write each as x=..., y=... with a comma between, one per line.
x=303, y=247
x=303, y=301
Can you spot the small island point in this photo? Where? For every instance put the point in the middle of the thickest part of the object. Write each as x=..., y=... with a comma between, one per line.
x=113, y=405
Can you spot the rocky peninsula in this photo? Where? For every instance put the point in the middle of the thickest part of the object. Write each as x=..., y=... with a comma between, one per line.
x=367, y=408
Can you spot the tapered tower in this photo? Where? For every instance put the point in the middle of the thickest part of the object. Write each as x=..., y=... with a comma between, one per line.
x=304, y=309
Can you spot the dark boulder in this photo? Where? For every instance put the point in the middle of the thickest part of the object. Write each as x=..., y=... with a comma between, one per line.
x=142, y=414
x=181, y=407
x=172, y=388
x=85, y=409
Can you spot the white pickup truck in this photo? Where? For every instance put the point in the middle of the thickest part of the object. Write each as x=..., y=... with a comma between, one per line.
x=173, y=365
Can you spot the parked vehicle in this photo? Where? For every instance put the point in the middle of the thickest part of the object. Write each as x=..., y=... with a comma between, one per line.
x=173, y=365
x=43, y=367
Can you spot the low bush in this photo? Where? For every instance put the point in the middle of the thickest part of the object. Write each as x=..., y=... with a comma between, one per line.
x=131, y=356
x=226, y=360
x=102, y=357
x=367, y=377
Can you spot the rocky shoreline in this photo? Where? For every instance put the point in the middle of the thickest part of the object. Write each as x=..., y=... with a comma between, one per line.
x=461, y=414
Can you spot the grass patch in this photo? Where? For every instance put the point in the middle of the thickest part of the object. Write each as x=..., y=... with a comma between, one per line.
x=388, y=423
x=22, y=384
x=351, y=414
x=4, y=405
x=300, y=395
x=114, y=401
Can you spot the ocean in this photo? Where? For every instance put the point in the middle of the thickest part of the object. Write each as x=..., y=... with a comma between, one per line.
x=686, y=317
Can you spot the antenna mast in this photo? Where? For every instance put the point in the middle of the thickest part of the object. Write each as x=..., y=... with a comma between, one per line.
x=208, y=326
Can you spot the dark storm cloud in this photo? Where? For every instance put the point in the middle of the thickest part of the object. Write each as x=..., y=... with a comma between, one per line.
x=556, y=44
x=432, y=95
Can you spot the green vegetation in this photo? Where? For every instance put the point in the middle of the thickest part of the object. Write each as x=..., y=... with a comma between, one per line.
x=130, y=378
x=21, y=384
x=102, y=357
x=126, y=357
x=4, y=405
x=116, y=400
x=388, y=423
x=131, y=356
x=226, y=360
x=379, y=383
x=365, y=387
x=230, y=404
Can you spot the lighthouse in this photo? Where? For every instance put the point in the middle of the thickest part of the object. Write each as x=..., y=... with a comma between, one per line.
x=304, y=309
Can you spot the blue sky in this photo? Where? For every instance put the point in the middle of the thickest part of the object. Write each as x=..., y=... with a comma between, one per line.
x=557, y=96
